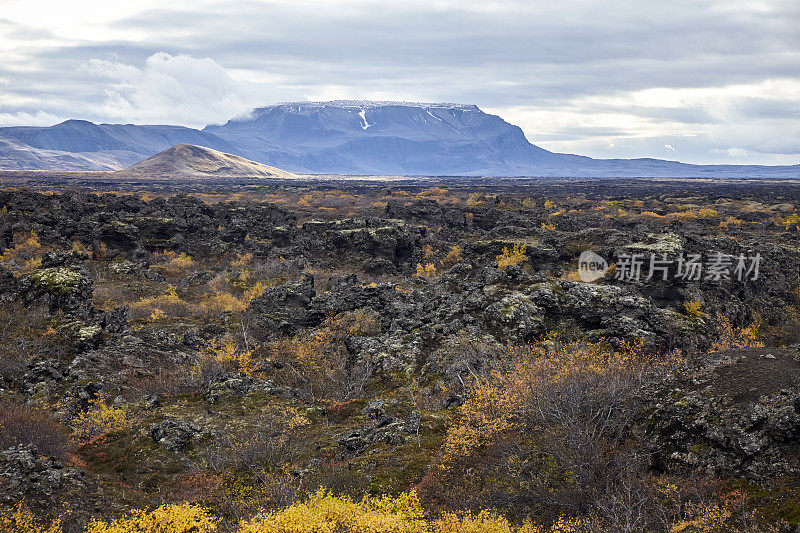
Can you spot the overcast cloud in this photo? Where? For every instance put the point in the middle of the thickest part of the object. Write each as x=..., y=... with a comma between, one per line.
x=690, y=80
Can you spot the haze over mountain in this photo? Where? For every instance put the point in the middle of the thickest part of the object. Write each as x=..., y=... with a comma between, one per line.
x=344, y=137
x=189, y=161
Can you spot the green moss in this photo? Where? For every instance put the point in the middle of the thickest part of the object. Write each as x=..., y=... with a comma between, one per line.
x=666, y=243
x=56, y=280
x=88, y=332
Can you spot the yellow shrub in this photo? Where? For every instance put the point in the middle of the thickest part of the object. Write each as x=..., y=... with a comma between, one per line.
x=475, y=199
x=171, y=518
x=711, y=516
x=242, y=260
x=222, y=301
x=323, y=513
x=168, y=304
x=483, y=522
x=730, y=221
x=430, y=270
x=22, y=520
x=549, y=204
x=564, y=525
x=514, y=256
x=496, y=405
x=427, y=271
x=694, y=309
x=175, y=263
x=433, y=192
x=229, y=352
x=99, y=419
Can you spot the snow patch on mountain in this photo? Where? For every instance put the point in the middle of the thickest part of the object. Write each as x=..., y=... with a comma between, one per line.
x=363, y=115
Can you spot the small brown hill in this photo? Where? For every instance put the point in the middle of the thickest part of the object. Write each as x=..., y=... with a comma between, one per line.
x=190, y=161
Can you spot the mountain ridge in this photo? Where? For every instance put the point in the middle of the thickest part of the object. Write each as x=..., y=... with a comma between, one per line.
x=359, y=137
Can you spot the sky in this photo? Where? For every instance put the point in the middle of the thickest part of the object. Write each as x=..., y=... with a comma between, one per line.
x=689, y=80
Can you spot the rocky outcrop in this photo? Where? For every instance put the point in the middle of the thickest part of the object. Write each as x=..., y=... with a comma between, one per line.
x=27, y=475
x=734, y=414
x=174, y=435
x=283, y=310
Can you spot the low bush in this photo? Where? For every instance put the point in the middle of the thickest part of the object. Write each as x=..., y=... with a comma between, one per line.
x=25, y=253
x=514, y=256
x=23, y=424
x=170, y=518
x=729, y=337
x=551, y=432
x=99, y=419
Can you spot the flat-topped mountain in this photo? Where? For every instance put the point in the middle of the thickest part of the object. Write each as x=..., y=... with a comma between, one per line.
x=189, y=161
x=363, y=137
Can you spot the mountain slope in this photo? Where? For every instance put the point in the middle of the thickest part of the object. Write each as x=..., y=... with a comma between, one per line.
x=382, y=138
x=188, y=161
x=18, y=156
x=102, y=146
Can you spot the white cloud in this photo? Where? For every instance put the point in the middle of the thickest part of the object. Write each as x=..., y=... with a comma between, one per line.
x=732, y=152
x=749, y=123
x=40, y=118
x=175, y=89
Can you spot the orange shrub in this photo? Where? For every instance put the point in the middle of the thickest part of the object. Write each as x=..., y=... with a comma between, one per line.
x=453, y=255
x=174, y=263
x=166, y=305
x=728, y=337
x=25, y=254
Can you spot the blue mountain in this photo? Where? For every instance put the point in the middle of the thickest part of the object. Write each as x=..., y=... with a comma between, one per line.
x=358, y=137
x=344, y=137
x=95, y=146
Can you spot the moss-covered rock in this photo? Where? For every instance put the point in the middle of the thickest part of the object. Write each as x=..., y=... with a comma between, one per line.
x=56, y=280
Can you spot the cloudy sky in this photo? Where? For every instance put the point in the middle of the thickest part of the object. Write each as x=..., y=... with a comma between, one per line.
x=691, y=80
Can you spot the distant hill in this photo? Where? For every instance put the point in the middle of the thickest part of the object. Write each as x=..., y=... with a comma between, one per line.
x=99, y=146
x=345, y=137
x=188, y=161
x=15, y=155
